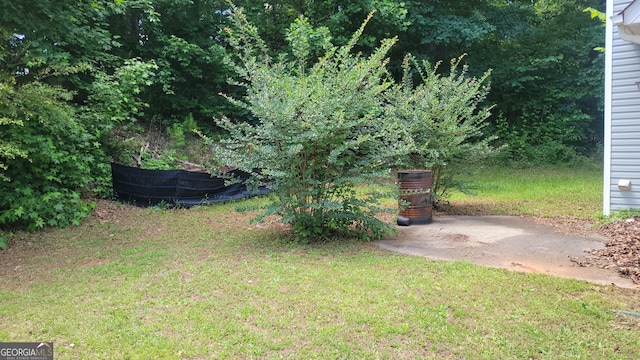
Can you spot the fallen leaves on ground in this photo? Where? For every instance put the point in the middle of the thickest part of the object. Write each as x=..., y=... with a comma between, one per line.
x=622, y=247
x=621, y=251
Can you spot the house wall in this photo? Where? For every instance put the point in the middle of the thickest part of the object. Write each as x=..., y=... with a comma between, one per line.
x=623, y=121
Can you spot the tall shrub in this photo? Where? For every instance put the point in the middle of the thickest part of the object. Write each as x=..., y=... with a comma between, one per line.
x=320, y=138
x=50, y=161
x=444, y=117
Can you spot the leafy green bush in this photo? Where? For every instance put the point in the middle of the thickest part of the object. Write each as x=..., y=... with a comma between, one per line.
x=320, y=134
x=444, y=119
x=114, y=98
x=114, y=104
x=51, y=161
x=9, y=150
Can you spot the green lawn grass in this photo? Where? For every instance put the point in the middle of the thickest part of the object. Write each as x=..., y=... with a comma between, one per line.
x=565, y=192
x=203, y=283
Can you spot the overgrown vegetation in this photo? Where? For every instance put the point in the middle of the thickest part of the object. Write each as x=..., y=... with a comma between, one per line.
x=320, y=131
x=50, y=158
x=134, y=67
x=329, y=131
x=54, y=153
x=444, y=118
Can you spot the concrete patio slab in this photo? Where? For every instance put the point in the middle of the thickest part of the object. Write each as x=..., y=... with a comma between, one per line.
x=507, y=242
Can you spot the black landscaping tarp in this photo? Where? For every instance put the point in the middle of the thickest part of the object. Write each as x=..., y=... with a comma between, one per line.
x=144, y=187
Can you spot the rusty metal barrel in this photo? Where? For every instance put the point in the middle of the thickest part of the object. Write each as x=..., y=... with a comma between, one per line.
x=415, y=189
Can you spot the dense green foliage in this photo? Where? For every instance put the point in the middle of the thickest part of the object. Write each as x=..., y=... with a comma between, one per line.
x=49, y=161
x=320, y=132
x=52, y=145
x=546, y=80
x=182, y=38
x=122, y=67
x=444, y=118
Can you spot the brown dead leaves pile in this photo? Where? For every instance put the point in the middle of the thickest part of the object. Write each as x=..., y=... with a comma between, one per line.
x=622, y=250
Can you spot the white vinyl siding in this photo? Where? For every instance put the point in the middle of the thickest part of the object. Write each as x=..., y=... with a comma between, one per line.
x=625, y=120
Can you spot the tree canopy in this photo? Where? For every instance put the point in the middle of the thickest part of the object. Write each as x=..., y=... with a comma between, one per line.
x=546, y=77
